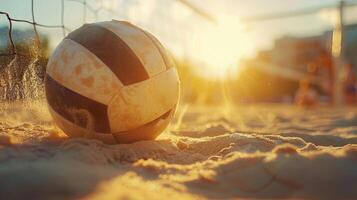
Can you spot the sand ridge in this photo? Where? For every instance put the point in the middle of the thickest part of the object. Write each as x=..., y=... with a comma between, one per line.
x=283, y=152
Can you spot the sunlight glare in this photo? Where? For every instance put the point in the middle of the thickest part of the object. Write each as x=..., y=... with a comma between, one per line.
x=219, y=46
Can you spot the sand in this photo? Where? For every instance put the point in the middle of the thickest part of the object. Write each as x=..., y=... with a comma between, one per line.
x=261, y=151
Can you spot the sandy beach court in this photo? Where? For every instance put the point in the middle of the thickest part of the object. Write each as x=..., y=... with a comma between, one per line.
x=261, y=151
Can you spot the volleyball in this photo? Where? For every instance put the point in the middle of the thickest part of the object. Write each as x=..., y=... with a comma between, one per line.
x=111, y=81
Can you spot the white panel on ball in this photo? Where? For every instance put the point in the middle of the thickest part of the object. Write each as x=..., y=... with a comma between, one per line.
x=166, y=55
x=79, y=70
x=140, y=103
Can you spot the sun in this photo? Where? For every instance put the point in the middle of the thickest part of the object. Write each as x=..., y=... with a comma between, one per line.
x=219, y=46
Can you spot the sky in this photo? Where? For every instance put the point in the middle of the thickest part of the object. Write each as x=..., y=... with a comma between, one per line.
x=182, y=31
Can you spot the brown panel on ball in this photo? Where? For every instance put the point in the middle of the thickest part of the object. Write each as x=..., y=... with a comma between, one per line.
x=147, y=131
x=76, y=108
x=66, y=126
x=143, y=47
x=75, y=131
x=113, y=51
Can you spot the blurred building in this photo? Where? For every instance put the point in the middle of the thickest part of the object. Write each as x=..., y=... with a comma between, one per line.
x=298, y=52
x=293, y=59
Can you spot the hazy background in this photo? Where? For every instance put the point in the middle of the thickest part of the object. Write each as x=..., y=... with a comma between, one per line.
x=178, y=27
x=206, y=50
